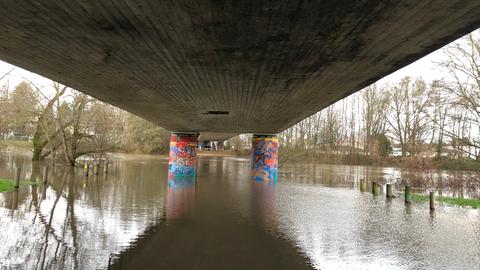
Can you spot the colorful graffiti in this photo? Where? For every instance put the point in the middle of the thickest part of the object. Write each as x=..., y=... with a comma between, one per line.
x=265, y=158
x=182, y=160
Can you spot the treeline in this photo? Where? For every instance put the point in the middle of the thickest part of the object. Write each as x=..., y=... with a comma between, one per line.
x=64, y=124
x=416, y=118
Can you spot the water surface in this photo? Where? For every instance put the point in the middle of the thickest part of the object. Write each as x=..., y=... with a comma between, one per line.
x=313, y=218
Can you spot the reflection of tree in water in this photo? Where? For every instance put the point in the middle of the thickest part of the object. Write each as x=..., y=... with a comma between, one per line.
x=49, y=229
x=449, y=183
x=35, y=174
x=36, y=231
x=80, y=221
x=332, y=175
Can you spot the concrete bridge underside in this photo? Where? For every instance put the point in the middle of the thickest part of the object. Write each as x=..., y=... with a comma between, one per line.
x=225, y=66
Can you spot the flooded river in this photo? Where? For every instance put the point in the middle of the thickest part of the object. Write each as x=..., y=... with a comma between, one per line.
x=315, y=217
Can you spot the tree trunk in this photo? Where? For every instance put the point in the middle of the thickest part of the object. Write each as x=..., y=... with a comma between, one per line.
x=37, y=146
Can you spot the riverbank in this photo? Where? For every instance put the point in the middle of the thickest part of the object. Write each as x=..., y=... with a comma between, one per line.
x=220, y=153
x=413, y=163
x=17, y=144
x=289, y=156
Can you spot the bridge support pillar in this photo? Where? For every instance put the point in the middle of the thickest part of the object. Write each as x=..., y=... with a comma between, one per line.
x=182, y=160
x=265, y=157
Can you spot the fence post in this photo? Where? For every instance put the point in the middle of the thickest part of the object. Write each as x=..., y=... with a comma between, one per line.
x=363, y=186
x=432, y=200
x=17, y=177
x=408, y=194
x=95, y=169
x=375, y=188
x=45, y=174
x=86, y=169
x=389, y=191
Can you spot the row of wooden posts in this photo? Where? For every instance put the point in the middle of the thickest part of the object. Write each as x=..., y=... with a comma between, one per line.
x=389, y=188
x=95, y=169
x=86, y=169
x=18, y=170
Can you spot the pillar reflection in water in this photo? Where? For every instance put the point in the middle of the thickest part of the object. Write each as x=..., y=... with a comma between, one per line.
x=265, y=198
x=265, y=157
x=182, y=160
x=180, y=195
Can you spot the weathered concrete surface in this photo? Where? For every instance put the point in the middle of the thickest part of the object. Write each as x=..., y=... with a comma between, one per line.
x=215, y=136
x=269, y=64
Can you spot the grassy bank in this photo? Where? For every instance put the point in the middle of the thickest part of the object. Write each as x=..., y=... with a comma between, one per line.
x=19, y=144
x=448, y=200
x=460, y=164
x=7, y=184
x=443, y=163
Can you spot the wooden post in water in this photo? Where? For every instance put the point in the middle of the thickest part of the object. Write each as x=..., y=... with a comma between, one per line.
x=375, y=188
x=363, y=185
x=432, y=200
x=45, y=174
x=408, y=194
x=105, y=168
x=95, y=169
x=44, y=192
x=389, y=191
x=16, y=182
x=15, y=199
x=86, y=169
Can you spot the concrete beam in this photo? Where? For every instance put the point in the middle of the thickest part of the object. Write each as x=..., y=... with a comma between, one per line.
x=225, y=66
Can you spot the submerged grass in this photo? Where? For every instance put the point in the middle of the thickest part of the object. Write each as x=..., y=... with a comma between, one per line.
x=448, y=200
x=7, y=184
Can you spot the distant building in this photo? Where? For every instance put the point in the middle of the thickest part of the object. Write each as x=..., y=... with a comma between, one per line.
x=18, y=137
x=396, y=152
x=431, y=151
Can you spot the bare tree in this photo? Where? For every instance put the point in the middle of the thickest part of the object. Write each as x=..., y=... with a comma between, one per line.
x=438, y=115
x=463, y=64
x=5, y=113
x=71, y=126
x=375, y=110
x=2, y=76
x=408, y=113
x=45, y=130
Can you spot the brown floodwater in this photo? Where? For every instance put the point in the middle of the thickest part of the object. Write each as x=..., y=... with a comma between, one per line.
x=313, y=218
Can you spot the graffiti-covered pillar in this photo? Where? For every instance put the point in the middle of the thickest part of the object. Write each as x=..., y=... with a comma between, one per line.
x=265, y=157
x=182, y=160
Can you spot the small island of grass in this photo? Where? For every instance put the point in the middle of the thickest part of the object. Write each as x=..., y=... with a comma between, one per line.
x=8, y=185
x=449, y=200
